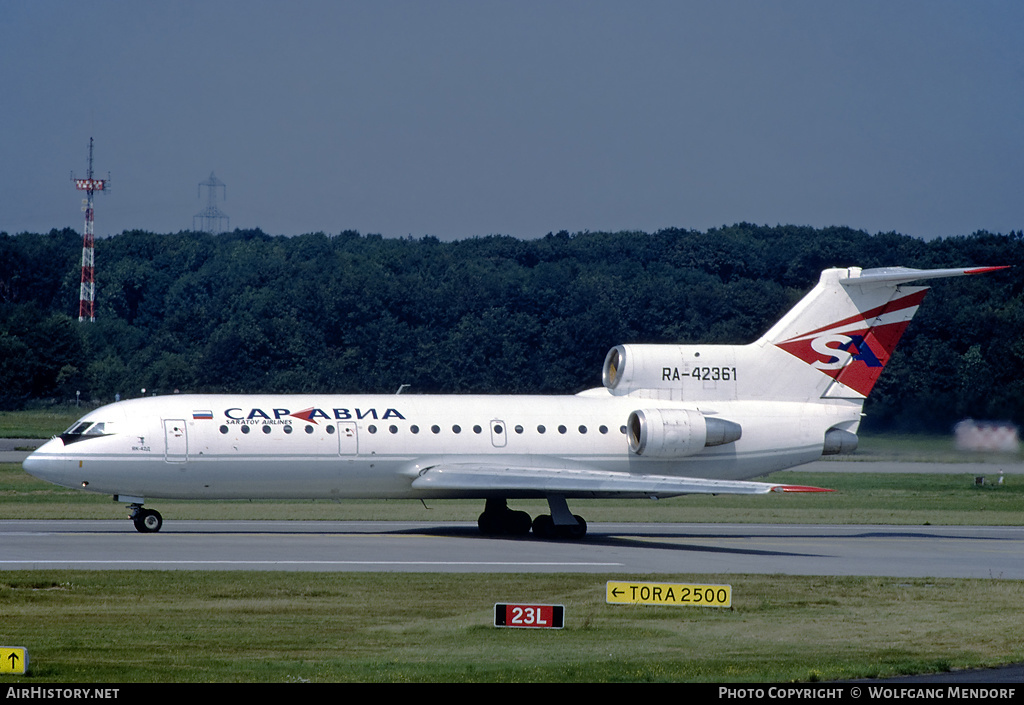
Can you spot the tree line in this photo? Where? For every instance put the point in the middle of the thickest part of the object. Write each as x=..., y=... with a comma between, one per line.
x=347, y=313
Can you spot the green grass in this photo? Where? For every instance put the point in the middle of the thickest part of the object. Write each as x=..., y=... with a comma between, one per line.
x=39, y=423
x=919, y=448
x=119, y=627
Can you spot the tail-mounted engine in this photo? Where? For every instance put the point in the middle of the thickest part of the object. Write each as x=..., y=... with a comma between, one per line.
x=838, y=442
x=629, y=367
x=690, y=372
x=677, y=433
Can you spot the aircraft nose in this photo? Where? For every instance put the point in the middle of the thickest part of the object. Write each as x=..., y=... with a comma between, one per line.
x=47, y=461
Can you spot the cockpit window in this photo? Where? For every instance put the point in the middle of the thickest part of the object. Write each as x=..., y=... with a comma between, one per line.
x=78, y=428
x=82, y=430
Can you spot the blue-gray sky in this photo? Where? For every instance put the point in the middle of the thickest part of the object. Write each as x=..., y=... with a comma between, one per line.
x=463, y=118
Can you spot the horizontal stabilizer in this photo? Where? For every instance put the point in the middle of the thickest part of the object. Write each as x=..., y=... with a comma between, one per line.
x=900, y=275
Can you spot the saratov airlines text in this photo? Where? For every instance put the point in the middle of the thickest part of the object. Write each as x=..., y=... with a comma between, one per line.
x=311, y=414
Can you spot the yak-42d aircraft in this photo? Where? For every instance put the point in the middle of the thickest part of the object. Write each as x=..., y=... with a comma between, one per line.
x=669, y=420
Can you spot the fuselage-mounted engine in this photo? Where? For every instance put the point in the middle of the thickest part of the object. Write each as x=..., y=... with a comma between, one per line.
x=677, y=433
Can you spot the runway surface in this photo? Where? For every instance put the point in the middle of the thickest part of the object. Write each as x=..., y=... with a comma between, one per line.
x=897, y=551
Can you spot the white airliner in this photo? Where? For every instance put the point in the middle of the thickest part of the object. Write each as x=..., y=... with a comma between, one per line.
x=669, y=420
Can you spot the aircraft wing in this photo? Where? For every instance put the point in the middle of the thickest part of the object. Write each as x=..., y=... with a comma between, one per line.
x=508, y=481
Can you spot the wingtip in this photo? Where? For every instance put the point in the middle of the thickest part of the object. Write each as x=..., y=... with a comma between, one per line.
x=799, y=488
x=985, y=270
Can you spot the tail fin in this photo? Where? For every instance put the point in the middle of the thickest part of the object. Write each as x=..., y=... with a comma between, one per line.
x=848, y=325
x=833, y=344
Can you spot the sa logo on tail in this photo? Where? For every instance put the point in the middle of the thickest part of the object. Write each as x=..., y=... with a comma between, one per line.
x=855, y=350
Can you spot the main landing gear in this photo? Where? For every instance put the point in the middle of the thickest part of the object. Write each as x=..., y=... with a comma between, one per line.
x=498, y=520
x=147, y=521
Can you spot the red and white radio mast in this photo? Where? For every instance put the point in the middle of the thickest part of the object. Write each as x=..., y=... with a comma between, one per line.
x=87, y=299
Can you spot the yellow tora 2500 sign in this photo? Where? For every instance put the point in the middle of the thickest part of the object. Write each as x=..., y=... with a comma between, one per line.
x=629, y=593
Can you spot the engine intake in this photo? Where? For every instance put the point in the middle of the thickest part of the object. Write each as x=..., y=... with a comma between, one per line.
x=629, y=367
x=677, y=433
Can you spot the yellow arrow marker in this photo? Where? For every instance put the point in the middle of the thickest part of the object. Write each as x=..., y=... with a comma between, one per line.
x=675, y=594
x=13, y=659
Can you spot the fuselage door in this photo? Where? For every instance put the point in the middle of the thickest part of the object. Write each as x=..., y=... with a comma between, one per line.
x=348, y=440
x=499, y=435
x=176, y=439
